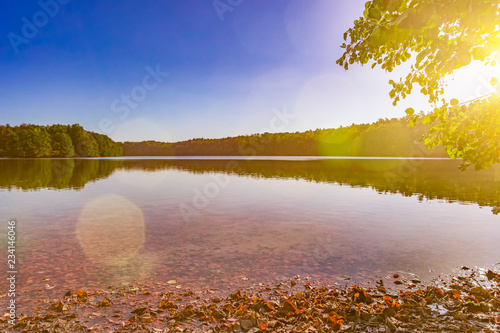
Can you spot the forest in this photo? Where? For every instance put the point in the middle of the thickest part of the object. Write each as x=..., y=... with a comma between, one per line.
x=384, y=138
x=28, y=140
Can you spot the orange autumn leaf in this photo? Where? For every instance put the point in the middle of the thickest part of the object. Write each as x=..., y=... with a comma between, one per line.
x=333, y=320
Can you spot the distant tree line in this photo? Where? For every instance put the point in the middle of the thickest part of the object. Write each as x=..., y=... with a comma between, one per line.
x=384, y=138
x=29, y=140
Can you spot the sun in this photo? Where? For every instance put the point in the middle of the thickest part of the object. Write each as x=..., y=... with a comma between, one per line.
x=472, y=82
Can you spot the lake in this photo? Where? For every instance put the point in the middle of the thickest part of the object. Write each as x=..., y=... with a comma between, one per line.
x=232, y=222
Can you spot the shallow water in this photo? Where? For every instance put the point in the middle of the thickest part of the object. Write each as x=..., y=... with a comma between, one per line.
x=226, y=223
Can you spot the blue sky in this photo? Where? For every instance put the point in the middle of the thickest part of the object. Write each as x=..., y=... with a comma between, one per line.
x=177, y=69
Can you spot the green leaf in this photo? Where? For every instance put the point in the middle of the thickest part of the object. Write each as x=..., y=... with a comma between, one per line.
x=374, y=13
x=454, y=102
x=410, y=111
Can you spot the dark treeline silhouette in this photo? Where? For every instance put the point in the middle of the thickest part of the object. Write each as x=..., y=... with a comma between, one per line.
x=384, y=138
x=426, y=179
x=29, y=140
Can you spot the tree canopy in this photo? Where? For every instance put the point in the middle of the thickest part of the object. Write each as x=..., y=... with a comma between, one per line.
x=436, y=37
x=28, y=140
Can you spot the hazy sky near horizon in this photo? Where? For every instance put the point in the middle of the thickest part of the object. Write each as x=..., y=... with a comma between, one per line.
x=172, y=70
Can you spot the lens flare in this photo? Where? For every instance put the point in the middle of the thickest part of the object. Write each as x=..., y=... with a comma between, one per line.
x=111, y=230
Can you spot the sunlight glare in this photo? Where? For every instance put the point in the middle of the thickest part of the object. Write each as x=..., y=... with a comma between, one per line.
x=472, y=81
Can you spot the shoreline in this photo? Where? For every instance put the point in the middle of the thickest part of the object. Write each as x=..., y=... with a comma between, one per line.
x=466, y=300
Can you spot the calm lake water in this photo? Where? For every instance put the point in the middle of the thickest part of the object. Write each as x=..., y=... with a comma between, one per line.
x=226, y=223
